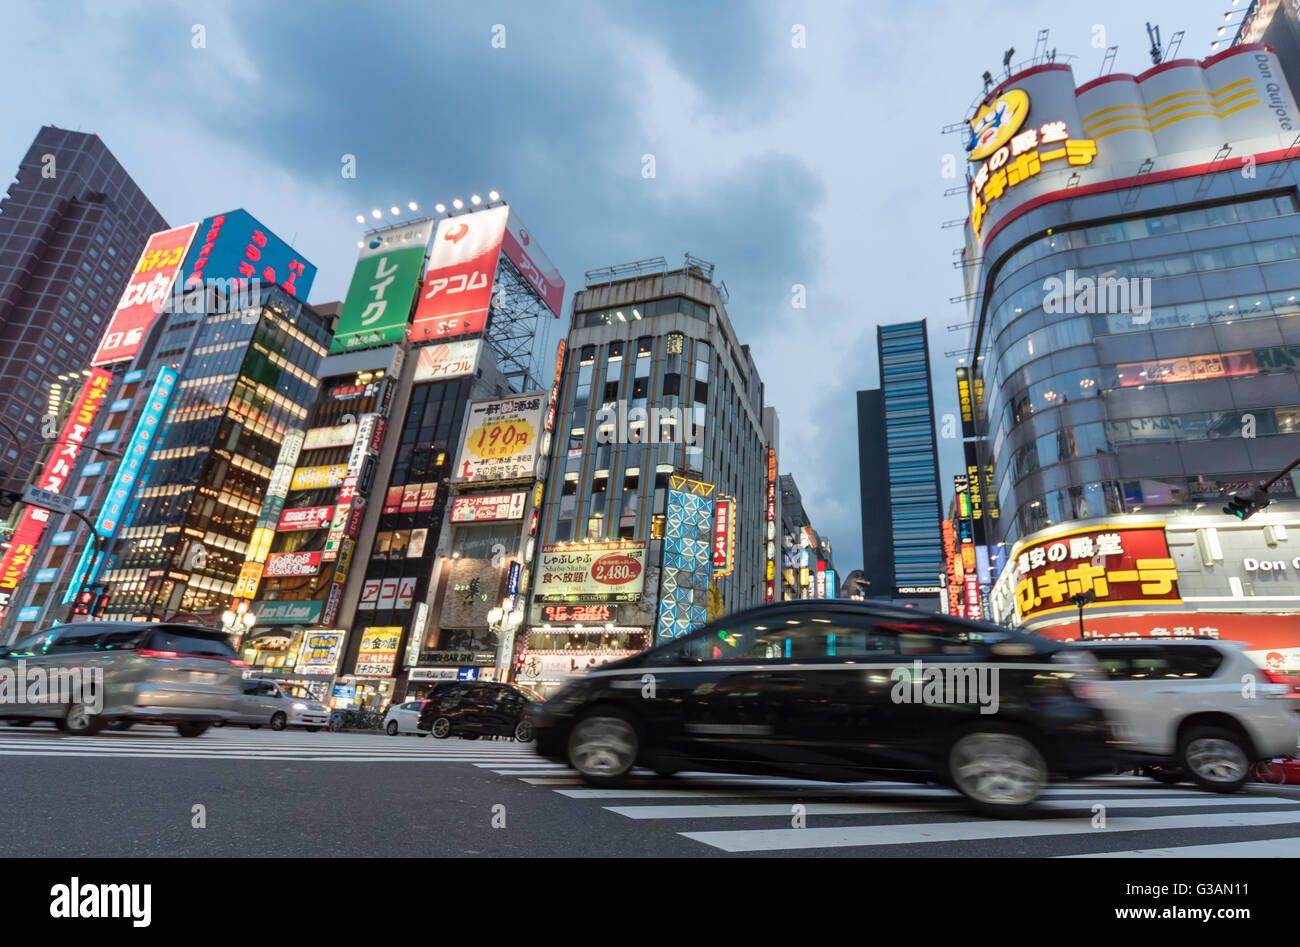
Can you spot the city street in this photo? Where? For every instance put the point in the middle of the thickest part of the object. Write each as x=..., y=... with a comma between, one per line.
x=357, y=794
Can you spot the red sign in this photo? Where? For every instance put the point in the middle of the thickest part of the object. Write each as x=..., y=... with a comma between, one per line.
x=533, y=264
x=58, y=470
x=393, y=500
x=1119, y=565
x=497, y=506
x=355, y=516
x=293, y=564
x=457, y=289
x=145, y=293
x=951, y=564
x=572, y=614
x=615, y=569
x=410, y=498
x=723, y=533
x=428, y=493
x=308, y=517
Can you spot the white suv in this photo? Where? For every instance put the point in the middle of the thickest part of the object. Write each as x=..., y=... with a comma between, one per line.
x=1195, y=708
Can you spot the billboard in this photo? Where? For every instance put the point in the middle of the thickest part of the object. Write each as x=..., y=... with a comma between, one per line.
x=724, y=534
x=320, y=652
x=533, y=264
x=286, y=564
x=145, y=293
x=236, y=245
x=457, y=289
x=1119, y=565
x=440, y=362
x=128, y=472
x=591, y=572
x=378, y=304
x=378, y=653
x=308, y=517
x=312, y=478
x=56, y=473
x=496, y=506
x=338, y=435
x=502, y=439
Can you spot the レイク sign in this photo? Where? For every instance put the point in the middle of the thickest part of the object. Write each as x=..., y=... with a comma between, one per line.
x=378, y=303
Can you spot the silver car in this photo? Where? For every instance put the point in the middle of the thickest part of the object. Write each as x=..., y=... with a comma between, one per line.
x=267, y=703
x=96, y=674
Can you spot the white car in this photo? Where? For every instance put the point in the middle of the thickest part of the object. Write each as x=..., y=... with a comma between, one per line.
x=402, y=718
x=1193, y=708
x=267, y=703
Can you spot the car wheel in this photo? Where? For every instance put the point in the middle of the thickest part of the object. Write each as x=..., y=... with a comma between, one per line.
x=999, y=770
x=391, y=729
x=79, y=721
x=1216, y=759
x=120, y=725
x=192, y=729
x=603, y=748
x=278, y=720
x=313, y=729
x=1165, y=776
x=441, y=728
x=523, y=732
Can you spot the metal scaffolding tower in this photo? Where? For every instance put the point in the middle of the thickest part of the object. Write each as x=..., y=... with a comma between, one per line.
x=514, y=318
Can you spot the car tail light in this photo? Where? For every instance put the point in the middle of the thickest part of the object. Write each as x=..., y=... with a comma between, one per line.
x=1276, y=685
x=1271, y=678
x=238, y=662
x=150, y=653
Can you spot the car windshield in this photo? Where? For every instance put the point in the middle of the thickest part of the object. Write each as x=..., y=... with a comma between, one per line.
x=529, y=694
x=297, y=691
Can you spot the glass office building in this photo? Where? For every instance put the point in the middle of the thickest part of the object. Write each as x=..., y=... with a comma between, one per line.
x=247, y=378
x=899, y=471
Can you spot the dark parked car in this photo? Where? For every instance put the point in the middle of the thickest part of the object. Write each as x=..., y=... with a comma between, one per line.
x=472, y=709
x=838, y=690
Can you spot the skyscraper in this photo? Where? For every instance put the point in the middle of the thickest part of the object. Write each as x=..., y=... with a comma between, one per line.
x=71, y=229
x=899, y=471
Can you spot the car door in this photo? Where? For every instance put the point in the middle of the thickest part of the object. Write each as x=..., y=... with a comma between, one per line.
x=248, y=705
x=74, y=668
x=476, y=708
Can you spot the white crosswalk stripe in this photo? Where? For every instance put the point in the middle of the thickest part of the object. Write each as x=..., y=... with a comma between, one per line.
x=864, y=815
x=237, y=743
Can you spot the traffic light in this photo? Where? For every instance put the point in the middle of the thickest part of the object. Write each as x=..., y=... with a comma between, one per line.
x=1246, y=503
x=84, y=603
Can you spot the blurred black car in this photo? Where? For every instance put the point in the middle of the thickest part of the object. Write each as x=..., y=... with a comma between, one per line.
x=472, y=709
x=838, y=690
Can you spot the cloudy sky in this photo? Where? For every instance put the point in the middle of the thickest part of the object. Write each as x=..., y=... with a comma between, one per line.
x=819, y=165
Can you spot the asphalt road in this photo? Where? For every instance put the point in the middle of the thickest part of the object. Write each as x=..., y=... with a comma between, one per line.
x=351, y=794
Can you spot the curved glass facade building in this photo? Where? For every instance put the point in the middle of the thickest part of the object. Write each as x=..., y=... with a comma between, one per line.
x=1136, y=296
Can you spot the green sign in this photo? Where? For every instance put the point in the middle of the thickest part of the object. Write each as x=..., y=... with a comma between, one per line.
x=378, y=304
x=287, y=613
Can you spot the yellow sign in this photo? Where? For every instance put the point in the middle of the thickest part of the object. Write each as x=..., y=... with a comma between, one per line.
x=995, y=123
x=1001, y=172
x=501, y=438
x=249, y=575
x=311, y=478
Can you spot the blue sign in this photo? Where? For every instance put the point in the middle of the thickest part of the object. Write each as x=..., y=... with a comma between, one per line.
x=236, y=245
x=467, y=674
x=30, y=613
x=46, y=575
x=512, y=583
x=128, y=474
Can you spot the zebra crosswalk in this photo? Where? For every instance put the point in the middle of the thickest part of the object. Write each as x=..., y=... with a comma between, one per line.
x=1115, y=816
x=238, y=743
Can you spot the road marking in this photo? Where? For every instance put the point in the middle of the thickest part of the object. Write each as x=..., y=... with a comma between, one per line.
x=1261, y=848
x=766, y=840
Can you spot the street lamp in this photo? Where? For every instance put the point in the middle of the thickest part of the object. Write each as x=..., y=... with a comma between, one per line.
x=505, y=622
x=237, y=624
x=1081, y=599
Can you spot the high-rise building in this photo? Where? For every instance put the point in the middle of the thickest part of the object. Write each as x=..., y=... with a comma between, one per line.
x=659, y=441
x=1132, y=274
x=902, y=542
x=71, y=230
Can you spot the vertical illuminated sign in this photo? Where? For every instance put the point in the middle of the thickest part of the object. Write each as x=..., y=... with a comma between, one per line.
x=58, y=470
x=124, y=482
x=770, y=589
x=145, y=293
x=684, y=576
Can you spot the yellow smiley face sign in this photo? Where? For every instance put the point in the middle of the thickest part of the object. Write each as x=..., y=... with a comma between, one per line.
x=995, y=123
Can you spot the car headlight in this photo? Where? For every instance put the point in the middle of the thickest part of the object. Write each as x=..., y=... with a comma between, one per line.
x=299, y=706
